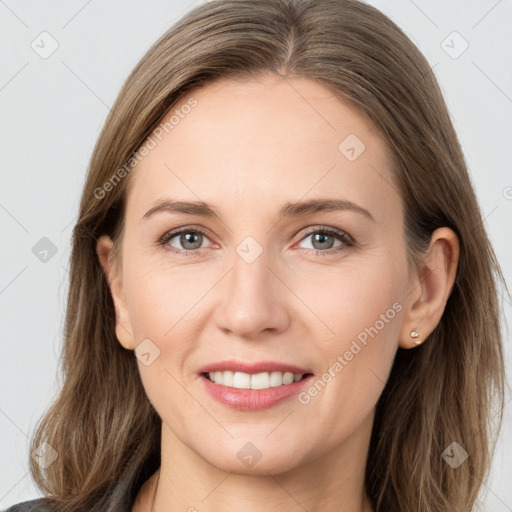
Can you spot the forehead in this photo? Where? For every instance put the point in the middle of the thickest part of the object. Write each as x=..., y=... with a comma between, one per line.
x=245, y=143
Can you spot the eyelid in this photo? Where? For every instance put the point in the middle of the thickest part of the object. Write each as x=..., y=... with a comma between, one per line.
x=342, y=236
x=345, y=239
x=167, y=236
x=327, y=229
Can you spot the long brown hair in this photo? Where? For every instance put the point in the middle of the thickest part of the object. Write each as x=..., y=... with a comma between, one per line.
x=450, y=389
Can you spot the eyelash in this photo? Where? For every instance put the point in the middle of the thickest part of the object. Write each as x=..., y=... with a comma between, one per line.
x=347, y=240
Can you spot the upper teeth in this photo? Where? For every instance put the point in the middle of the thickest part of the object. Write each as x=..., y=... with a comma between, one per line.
x=262, y=380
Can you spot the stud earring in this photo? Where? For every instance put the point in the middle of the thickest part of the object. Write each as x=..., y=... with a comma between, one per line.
x=415, y=335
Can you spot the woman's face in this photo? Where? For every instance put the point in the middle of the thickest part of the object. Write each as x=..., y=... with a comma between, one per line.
x=293, y=255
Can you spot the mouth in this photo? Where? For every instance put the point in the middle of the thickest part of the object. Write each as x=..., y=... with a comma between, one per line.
x=253, y=385
x=253, y=391
x=262, y=380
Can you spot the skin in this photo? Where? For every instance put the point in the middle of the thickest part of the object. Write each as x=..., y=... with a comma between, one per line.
x=248, y=148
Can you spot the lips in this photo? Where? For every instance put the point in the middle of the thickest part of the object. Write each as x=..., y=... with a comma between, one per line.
x=254, y=367
x=253, y=386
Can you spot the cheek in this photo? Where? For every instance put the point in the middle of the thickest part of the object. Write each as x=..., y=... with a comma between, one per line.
x=163, y=308
x=348, y=300
x=362, y=307
x=162, y=299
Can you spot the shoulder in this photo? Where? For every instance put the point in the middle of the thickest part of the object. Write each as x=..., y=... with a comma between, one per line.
x=119, y=497
x=37, y=505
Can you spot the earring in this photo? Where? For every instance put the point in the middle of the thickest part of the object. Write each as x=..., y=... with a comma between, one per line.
x=415, y=334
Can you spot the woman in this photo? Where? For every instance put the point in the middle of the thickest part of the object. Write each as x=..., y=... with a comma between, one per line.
x=279, y=224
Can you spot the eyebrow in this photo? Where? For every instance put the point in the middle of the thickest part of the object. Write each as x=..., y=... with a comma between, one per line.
x=297, y=209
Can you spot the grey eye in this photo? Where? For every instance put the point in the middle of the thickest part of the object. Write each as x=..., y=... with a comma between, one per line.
x=324, y=240
x=321, y=240
x=188, y=240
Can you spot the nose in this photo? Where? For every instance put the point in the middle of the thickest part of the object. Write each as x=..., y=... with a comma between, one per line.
x=253, y=299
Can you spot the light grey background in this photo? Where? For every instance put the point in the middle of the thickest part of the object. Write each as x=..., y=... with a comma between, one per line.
x=52, y=111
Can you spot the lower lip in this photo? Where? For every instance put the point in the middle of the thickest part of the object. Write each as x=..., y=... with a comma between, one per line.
x=253, y=399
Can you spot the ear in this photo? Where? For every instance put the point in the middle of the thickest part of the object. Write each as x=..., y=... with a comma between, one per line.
x=113, y=274
x=430, y=288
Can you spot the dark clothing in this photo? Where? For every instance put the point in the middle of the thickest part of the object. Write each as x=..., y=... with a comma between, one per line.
x=120, y=499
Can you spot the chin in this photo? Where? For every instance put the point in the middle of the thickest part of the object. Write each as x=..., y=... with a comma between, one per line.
x=258, y=457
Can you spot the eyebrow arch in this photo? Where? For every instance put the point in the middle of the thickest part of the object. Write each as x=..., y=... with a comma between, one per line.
x=297, y=209
x=188, y=207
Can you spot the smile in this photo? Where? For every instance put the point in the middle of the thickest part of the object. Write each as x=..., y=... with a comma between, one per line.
x=253, y=392
x=263, y=380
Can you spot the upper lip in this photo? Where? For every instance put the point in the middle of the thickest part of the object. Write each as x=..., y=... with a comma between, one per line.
x=253, y=367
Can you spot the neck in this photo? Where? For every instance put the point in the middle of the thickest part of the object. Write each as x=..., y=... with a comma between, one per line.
x=333, y=481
